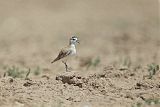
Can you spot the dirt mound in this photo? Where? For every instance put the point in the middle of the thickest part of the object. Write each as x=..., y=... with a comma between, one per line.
x=110, y=87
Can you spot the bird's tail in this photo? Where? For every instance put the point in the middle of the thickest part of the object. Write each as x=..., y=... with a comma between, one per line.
x=54, y=60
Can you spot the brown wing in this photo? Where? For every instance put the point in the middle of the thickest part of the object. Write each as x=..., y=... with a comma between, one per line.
x=62, y=54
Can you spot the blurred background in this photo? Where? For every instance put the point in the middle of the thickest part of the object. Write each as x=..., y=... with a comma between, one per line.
x=33, y=31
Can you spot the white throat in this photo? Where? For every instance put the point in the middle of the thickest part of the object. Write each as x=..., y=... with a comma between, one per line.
x=73, y=46
x=73, y=49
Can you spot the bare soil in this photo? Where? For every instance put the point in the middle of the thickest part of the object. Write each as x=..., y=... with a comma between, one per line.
x=112, y=87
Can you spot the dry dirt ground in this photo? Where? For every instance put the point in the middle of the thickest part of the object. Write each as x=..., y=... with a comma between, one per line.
x=113, y=68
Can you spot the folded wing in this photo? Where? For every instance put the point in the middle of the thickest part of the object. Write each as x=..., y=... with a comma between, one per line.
x=62, y=54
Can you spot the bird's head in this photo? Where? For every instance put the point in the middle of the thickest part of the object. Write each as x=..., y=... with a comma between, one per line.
x=74, y=40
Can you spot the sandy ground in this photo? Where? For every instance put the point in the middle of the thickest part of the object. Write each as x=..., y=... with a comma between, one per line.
x=122, y=35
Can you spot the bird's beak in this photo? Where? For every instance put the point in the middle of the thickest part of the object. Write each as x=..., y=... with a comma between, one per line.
x=78, y=41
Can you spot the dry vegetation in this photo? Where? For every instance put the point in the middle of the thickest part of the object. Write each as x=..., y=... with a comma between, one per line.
x=117, y=64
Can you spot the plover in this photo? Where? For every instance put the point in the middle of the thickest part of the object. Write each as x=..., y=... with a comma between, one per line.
x=68, y=51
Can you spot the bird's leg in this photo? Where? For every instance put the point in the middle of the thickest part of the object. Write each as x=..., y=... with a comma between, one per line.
x=66, y=66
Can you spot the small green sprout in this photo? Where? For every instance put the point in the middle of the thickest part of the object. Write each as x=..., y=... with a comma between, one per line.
x=28, y=73
x=127, y=62
x=37, y=71
x=138, y=104
x=15, y=72
x=93, y=62
x=152, y=69
x=152, y=101
x=96, y=61
x=90, y=62
x=155, y=101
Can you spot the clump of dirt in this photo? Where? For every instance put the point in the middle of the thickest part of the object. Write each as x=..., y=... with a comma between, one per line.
x=71, y=78
x=110, y=87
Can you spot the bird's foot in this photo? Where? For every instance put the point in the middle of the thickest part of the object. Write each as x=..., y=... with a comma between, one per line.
x=69, y=69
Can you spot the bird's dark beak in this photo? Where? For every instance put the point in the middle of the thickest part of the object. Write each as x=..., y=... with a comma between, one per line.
x=78, y=41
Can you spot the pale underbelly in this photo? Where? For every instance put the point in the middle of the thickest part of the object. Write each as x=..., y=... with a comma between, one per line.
x=68, y=58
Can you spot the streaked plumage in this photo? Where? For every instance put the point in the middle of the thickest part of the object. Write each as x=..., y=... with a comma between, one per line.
x=62, y=54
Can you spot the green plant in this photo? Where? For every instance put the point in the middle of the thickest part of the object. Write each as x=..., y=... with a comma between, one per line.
x=15, y=72
x=96, y=61
x=152, y=69
x=138, y=104
x=155, y=101
x=93, y=62
x=28, y=73
x=89, y=62
x=37, y=71
x=127, y=62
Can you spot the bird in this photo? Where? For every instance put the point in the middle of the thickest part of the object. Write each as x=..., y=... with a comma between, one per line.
x=67, y=52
